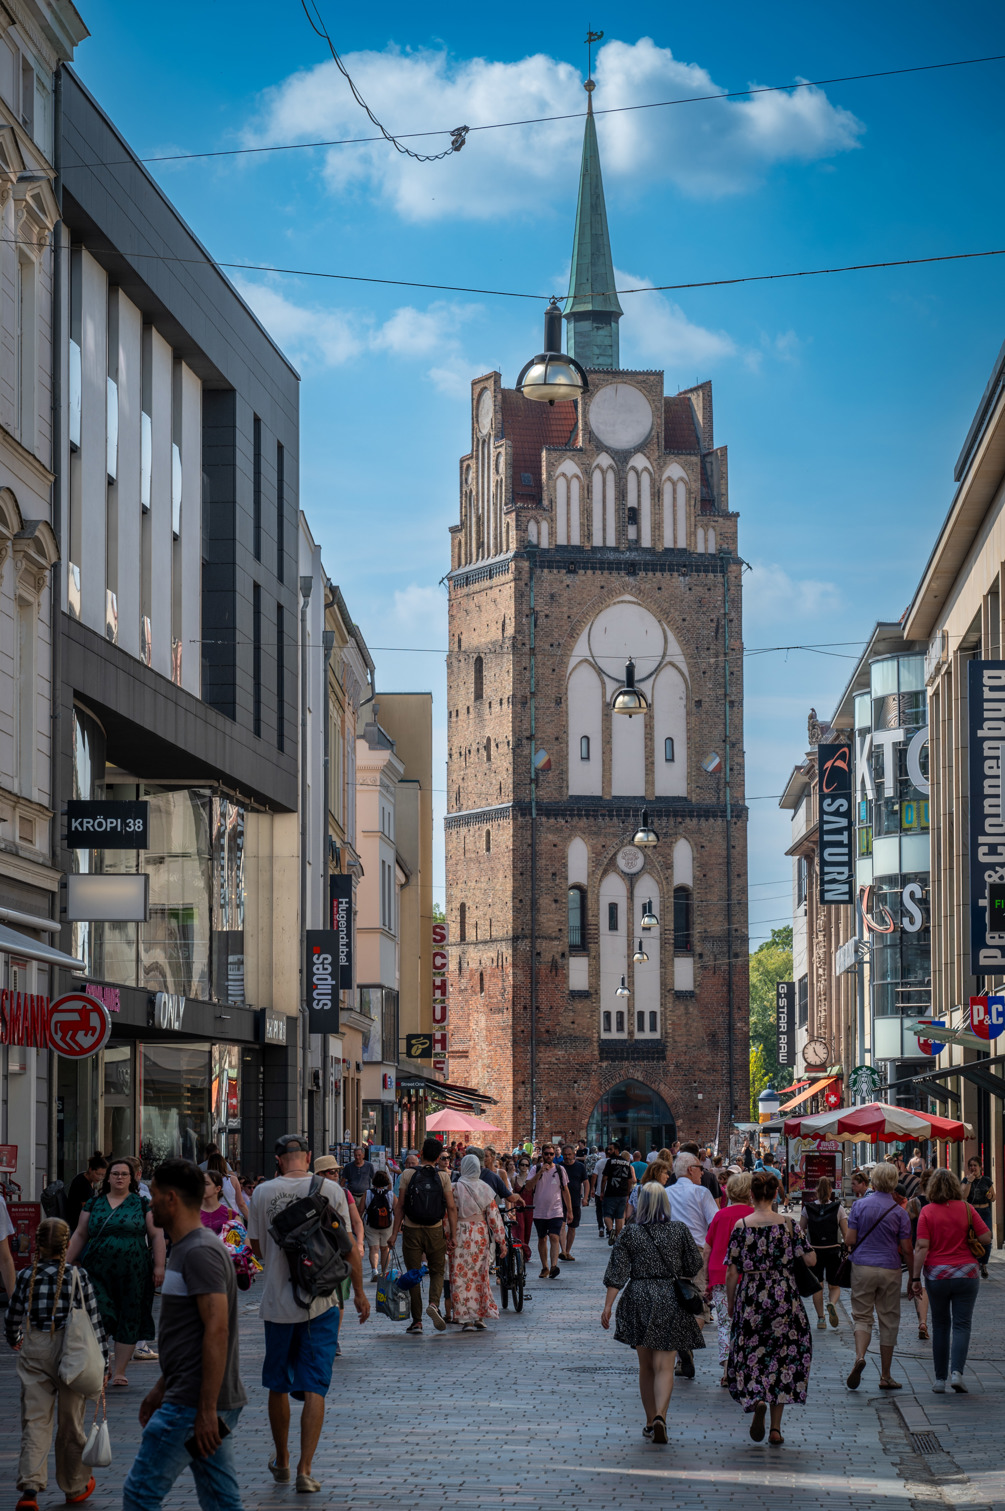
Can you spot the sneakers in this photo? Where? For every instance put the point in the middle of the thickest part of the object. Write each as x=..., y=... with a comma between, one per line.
x=374, y=1276
x=610, y=1239
x=145, y=1352
x=822, y=1323
x=28, y=1501
x=939, y=1387
x=415, y=1327
x=437, y=1318
x=832, y=1313
x=956, y=1381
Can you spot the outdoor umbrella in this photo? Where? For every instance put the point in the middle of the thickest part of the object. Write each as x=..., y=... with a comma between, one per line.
x=449, y=1121
x=876, y=1123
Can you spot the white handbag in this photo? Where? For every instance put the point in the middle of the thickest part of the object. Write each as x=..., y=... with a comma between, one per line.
x=97, y=1453
x=81, y=1364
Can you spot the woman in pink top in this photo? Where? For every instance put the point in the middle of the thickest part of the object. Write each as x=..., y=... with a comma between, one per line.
x=951, y=1274
x=714, y=1254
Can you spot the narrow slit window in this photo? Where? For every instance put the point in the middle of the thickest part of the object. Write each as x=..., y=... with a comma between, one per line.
x=462, y=922
x=576, y=910
x=607, y=1023
x=619, y=1023
x=612, y=917
x=652, y=1023
x=668, y=754
x=683, y=921
x=640, y=1023
x=584, y=747
x=479, y=677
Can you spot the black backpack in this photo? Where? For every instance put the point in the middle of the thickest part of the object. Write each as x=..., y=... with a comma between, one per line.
x=425, y=1203
x=313, y=1238
x=378, y=1213
x=616, y=1171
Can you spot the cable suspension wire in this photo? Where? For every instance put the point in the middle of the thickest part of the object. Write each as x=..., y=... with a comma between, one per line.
x=457, y=136
x=541, y=120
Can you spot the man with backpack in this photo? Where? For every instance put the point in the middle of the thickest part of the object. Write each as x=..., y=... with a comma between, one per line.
x=425, y=1198
x=377, y=1221
x=615, y=1186
x=299, y=1228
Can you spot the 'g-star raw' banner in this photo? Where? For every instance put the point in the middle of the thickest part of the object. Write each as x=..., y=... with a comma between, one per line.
x=837, y=825
x=340, y=900
x=785, y=1020
x=322, y=981
x=986, y=718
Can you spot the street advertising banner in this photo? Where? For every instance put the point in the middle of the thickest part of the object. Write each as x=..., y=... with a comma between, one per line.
x=785, y=1022
x=340, y=901
x=837, y=826
x=322, y=981
x=986, y=729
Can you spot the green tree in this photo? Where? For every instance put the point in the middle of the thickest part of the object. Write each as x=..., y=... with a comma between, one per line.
x=438, y=914
x=769, y=964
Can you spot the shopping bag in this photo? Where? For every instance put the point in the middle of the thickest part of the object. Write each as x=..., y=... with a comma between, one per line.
x=97, y=1453
x=81, y=1364
x=392, y=1301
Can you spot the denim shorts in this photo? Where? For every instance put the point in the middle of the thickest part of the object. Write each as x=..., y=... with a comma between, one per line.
x=614, y=1206
x=299, y=1356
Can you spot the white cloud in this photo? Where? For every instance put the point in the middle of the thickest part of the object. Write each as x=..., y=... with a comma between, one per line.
x=771, y=596
x=421, y=613
x=309, y=335
x=706, y=150
x=653, y=328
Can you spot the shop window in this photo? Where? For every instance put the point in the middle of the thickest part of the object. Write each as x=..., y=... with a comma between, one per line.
x=175, y=1110
x=577, y=918
x=683, y=921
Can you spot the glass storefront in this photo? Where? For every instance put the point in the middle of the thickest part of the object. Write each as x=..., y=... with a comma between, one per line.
x=175, y=1102
x=633, y=1115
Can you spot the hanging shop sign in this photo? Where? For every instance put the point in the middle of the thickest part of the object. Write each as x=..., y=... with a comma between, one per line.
x=837, y=826
x=865, y=1081
x=166, y=1010
x=987, y=1016
x=418, y=1046
x=932, y=1047
x=986, y=721
x=107, y=825
x=79, y=1026
x=323, y=972
x=340, y=903
x=272, y=1026
x=440, y=984
x=785, y=1022
x=24, y=1019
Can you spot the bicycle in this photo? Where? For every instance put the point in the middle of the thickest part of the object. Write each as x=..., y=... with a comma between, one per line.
x=512, y=1270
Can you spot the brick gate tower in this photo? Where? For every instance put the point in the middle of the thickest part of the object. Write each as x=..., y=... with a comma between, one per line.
x=592, y=533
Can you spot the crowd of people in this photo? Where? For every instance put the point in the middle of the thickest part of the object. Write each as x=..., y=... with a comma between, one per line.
x=694, y=1242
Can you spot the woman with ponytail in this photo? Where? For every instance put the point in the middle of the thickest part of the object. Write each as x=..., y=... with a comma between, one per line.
x=35, y=1325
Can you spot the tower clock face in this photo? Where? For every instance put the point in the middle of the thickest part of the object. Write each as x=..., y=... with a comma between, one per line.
x=621, y=416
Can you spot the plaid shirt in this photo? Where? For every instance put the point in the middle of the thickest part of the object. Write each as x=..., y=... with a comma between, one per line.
x=44, y=1300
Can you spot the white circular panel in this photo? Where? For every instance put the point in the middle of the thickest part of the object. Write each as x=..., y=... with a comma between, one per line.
x=484, y=414
x=630, y=860
x=621, y=416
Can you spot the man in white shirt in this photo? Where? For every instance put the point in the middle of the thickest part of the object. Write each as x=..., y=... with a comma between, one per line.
x=597, y=1177
x=694, y=1206
x=299, y=1344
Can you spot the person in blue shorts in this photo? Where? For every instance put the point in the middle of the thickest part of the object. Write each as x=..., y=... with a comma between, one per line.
x=299, y=1345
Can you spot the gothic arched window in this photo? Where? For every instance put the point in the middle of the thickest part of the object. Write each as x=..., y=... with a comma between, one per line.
x=683, y=921
x=577, y=918
x=479, y=689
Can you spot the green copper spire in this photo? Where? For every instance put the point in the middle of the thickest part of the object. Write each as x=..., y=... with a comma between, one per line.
x=592, y=310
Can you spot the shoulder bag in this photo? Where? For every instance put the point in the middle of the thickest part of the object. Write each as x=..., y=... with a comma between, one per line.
x=977, y=1246
x=807, y=1283
x=689, y=1298
x=842, y=1275
x=97, y=1451
x=81, y=1364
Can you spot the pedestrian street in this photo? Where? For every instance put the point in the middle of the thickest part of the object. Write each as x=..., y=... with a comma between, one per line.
x=542, y=1411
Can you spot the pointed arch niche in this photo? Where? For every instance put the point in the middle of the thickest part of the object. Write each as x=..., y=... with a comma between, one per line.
x=604, y=491
x=568, y=504
x=578, y=877
x=640, y=499
x=645, y=999
x=669, y=721
x=612, y=929
x=681, y=924
x=674, y=486
x=585, y=705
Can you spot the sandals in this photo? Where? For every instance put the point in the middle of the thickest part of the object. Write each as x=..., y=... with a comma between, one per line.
x=923, y=1334
x=544, y=1275
x=774, y=1436
x=757, y=1425
x=890, y=1385
x=660, y=1430
x=855, y=1377
x=119, y=1382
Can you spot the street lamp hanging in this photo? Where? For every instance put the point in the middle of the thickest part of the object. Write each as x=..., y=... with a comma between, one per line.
x=645, y=834
x=552, y=374
x=629, y=699
x=622, y=990
x=649, y=919
x=640, y=957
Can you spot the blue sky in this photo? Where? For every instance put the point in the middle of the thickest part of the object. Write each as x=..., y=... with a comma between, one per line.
x=843, y=400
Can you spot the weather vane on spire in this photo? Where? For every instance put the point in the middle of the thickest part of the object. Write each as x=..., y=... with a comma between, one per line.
x=591, y=37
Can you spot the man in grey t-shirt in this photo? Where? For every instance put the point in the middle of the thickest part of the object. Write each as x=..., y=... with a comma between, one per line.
x=199, y=1395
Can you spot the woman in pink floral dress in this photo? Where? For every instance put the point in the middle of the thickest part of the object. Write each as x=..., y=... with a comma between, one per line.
x=477, y=1219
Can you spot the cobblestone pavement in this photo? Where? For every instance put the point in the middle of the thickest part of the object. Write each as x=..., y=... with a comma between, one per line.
x=542, y=1411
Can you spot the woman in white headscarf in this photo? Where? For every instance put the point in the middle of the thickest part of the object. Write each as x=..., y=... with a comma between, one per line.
x=478, y=1221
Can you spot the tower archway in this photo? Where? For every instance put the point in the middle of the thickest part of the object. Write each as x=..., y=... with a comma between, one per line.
x=633, y=1115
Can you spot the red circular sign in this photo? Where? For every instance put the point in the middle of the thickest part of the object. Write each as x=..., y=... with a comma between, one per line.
x=79, y=1026
x=832, y=1098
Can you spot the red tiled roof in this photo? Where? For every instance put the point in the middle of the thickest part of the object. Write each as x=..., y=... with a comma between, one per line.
x=680, y=433
x=530, y=427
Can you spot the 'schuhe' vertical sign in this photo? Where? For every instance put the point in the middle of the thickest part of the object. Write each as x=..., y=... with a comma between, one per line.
x=440, y=962
x=837, y=867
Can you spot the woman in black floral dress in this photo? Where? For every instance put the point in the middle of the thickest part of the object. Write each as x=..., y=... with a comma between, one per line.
x=650, y=1254
x=771, y=1346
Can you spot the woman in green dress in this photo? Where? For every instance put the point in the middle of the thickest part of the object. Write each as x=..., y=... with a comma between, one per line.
x=124, y=1259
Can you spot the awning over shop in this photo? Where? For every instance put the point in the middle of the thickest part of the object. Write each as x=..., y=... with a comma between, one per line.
x=811, y=1091
x=13, y=943
x=448, y=1093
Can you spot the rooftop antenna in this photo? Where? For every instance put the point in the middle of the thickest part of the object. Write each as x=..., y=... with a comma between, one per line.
x=590, y=86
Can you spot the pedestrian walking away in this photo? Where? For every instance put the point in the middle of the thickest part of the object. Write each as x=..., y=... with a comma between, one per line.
x=693, y=1204
x=191, y=1414
x=300, y=1338
x=478, y=1222
x=714, y=1253
x=424, y=1214
x=879, y=1236
x=575, y=1171
x=649, y=1258
x=616, y=1183
x=826, y=1226
x=378, y=1220
x=979, y=1191
x=125, y=1260
x=953, y=1241
x=35, y=1326
x=771, y=1345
